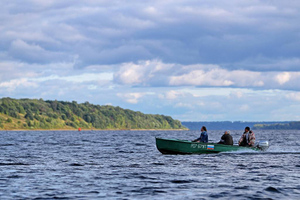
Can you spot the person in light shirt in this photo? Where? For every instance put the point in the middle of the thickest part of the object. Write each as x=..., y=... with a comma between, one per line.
x=248, y=138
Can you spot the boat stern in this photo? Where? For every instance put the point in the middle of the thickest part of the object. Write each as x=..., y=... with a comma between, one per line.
x=263, y=145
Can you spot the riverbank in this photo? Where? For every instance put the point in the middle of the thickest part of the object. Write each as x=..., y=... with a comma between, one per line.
x=94, y=130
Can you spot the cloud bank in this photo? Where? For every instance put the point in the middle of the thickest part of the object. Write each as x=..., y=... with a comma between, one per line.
x=155, y=73
x=255, y=35
x=194, y=60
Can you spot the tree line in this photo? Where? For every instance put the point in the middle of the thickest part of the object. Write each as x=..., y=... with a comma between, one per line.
x=278, y=126
x=40, y=114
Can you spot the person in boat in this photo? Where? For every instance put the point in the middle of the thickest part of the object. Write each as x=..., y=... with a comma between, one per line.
x=226, y=138
x=248, y=138
x=203, y=136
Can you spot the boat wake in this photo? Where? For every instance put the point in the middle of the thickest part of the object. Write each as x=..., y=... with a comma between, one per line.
x=281, y=150
x=271, y=152
x=243, y=151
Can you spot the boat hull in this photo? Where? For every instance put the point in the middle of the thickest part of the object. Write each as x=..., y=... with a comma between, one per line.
x=171, y=146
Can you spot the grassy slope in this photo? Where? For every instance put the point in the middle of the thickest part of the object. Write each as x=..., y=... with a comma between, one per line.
x=33, y=114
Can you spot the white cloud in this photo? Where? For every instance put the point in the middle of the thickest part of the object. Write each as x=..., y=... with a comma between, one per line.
x=92, y=87
x=131, y=74
x=293, y=96
x=236, y=94
x=84, y=77
x=132, y=98
x=143, y=73
x=13, y=84
x=152, y=73
x=244, y=108
x=23, y=46
x=172, y=94
x=184, y=105
x=282, y=78
x=212, y=77
x=34, y=53
x=30, y=36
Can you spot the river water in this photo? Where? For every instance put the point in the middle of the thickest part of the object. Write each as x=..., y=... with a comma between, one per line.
x=127, y=165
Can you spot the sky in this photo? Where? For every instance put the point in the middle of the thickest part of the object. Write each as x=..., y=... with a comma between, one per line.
x=194, y=60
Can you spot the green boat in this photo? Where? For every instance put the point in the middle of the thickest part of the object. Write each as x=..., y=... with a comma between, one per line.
x=173, y=146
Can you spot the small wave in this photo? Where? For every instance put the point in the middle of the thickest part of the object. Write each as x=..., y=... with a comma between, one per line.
x=4, y=145
x=242, y=188
x=116, y=166
x=159, y=191
x=243, y=151
x=76, y=165
x=134, y=166
x=220, y=195
x=262, y=174
x=180, y=181
x=152, y=190
x=52, y=143
x=158, y=164
x=145, y=177
x=94, y=164
x=74, y=144
x=251, y=152
x=140, y=144
x=15, y=176
x=3, y=164
x=275, y=166
x=281, y=152
x=52, y=197
x=93, y=192
x=122, y=151
x=272, y=189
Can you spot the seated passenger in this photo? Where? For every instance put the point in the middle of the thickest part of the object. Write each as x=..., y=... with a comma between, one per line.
x=248, y=138
x=226, y=138
x=203, y=136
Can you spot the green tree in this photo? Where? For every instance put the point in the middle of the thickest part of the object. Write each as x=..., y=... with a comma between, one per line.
x=29, y=115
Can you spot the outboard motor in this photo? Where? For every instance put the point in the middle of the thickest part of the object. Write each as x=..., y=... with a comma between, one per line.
x=263, y=145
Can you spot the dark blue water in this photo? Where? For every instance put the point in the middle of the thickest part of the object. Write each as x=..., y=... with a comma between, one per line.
x=127, y=165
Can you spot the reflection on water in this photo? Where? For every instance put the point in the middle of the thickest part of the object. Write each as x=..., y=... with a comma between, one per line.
x=127, y=165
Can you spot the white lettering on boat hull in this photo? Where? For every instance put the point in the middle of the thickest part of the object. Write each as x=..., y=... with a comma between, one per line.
x=198, y=146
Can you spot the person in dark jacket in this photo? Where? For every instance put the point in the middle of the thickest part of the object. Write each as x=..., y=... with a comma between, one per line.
x=203, y=136
x=226, y=138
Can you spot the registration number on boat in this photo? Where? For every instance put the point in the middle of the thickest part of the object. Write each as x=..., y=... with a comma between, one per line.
x=201, y=146
x=198, y=146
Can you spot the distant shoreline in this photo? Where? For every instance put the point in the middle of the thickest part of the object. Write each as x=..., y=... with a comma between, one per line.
x=94, y=130
x=240, y=125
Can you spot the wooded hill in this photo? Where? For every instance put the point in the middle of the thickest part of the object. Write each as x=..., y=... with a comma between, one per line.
x=277, y=126
x=39, y=114
x=240, y=125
